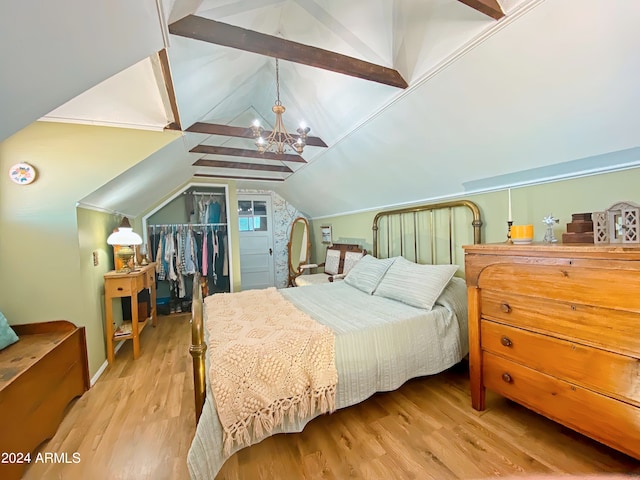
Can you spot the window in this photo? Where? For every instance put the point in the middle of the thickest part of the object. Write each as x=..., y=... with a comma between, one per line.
x=252, y=215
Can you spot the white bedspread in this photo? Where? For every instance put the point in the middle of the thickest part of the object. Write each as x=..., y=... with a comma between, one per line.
x=380, y=344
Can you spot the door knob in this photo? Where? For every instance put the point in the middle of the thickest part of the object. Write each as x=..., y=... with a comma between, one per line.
x=270, y=251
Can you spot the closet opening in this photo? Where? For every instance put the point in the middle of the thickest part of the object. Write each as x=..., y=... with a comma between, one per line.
x=189, y=234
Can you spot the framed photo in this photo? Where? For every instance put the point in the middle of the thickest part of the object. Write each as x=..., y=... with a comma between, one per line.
x=326, y=233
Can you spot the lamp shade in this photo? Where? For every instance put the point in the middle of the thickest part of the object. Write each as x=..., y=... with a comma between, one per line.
x=124, y=235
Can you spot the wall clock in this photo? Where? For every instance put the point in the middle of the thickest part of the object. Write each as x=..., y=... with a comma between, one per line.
x=22, y=173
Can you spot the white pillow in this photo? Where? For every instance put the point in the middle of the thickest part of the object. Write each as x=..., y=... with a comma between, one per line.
x=414, y=284
x=367, y=273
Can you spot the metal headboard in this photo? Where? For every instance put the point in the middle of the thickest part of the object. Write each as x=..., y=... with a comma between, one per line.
x=425, y=231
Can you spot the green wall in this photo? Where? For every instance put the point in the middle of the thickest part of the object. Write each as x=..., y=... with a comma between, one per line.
x=93, y=228
x=173, y=212
x=46, y=242
x=529, y=205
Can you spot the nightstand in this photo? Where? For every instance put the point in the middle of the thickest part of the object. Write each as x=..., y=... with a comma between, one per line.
x=117, y=285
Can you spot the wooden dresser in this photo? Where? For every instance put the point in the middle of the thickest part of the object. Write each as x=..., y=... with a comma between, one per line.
x=556, y=328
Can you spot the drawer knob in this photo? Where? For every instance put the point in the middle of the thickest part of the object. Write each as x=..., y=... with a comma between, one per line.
x=505, y=307
x=507, y=378
x=506, y=341
x=120, y=289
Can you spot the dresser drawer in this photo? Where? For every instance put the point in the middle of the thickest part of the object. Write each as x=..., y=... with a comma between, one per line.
x=600, y=370
x=149, y=278
x=607, y=420
x=121, y=287
x=614, y=330
x=604, y=287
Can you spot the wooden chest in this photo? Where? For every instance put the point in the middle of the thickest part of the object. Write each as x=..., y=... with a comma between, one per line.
x=39, y=376
x=557, y=329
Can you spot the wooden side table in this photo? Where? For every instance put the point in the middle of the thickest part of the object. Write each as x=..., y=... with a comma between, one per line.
x=117, y=285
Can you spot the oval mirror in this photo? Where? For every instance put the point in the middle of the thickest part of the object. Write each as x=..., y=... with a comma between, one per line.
x=299, y=247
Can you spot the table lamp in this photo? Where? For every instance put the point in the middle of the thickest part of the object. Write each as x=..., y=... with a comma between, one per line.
x=124, y=237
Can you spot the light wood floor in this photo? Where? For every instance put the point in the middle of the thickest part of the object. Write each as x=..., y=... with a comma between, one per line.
x=137, y=423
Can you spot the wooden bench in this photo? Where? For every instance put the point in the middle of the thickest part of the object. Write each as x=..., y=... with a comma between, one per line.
x=39, y=375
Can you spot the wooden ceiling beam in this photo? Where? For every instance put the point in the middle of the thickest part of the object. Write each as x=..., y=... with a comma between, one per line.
x=489, y=7
x=242, y=132
x=242, y=152
x=242, y=165
x=212, y=31
x=239, y=177
x=163, y=58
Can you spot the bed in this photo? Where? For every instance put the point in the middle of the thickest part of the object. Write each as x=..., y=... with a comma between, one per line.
x=383, y=332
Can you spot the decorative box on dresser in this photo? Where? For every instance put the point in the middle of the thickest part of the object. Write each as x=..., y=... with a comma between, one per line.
x=556, y=328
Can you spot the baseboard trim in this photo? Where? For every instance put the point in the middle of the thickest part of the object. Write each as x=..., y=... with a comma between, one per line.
x=103, y=367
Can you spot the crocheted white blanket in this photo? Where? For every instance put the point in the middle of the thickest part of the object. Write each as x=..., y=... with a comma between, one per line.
x=268, y=360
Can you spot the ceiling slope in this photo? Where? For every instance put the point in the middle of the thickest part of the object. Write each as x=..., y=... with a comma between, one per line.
x=147, y=183
x=54, y=51
x=236, y=59
x=519, y=101
x=541, y=91
x=133, y=98
x=219, y=85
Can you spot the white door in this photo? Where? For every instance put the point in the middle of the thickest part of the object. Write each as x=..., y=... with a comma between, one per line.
x=256, y=241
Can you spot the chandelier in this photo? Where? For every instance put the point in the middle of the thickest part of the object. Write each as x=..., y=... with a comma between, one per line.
x=279, y=139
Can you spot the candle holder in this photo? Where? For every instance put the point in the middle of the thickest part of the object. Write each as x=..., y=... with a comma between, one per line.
x=509, y=225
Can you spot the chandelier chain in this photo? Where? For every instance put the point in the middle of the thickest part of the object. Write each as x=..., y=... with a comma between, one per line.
x=278, y=102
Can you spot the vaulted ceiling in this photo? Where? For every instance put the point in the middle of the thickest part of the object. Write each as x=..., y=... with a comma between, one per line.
x=414, y=99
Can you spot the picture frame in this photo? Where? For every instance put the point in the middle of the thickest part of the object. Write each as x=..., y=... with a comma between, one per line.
x=325, y=231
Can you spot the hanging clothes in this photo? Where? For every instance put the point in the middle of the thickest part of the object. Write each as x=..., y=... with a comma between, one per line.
x=225, y=260
x=180, y=259
x=197, y=237
x=189, y=264
x=214, y=213
x=169, y=256
x=205, y=252
x=160, y=262
x=221, y=263
x=182, y=250
x=203, y=204
x=211, y=238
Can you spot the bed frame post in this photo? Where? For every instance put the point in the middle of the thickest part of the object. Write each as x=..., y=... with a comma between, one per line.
x=198, y=347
